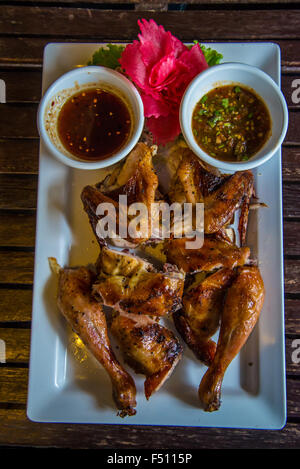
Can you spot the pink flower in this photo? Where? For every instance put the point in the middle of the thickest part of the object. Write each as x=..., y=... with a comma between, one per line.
x=161, y=66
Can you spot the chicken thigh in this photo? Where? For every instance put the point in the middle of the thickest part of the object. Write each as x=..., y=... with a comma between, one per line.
x=148, y=347
x=242, y=306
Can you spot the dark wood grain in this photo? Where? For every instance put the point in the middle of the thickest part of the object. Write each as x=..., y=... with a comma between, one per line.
x=292, y=276
x=13, y=389
x=15, y=427
x=19, y=155
x=292, y=316
x=18, y=191
x=17, y=344
x=291, y=194
x=16, y=267
x=78, y=22
x=17, y=229
x=15, y=305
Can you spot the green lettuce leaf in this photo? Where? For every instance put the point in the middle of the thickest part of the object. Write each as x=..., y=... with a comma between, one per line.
x=212, y=57
x=107, y=56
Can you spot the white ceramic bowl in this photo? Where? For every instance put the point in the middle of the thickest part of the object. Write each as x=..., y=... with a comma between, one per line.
x=72, y=83
x=240, y=74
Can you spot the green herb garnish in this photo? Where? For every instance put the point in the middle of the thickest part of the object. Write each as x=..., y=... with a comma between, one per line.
x=237, y=89
x=107, y=56
x=225, y=103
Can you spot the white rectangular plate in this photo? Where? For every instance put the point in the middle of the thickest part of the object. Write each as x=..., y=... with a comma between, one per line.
x=65, y=384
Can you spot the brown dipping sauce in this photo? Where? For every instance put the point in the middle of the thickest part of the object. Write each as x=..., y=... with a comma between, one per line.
x=94, y=124
x=231, y=123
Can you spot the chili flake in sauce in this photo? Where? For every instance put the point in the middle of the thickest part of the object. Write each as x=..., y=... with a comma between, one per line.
x=93, y=124
x=231, y=123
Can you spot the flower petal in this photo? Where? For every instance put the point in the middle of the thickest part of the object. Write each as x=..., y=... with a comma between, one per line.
x=164, y=128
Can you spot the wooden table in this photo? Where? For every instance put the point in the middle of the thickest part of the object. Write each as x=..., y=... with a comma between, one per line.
x=25, y=28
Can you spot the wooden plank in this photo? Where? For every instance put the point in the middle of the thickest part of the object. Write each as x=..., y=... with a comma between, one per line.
x=79, y=22
x=16, y=267
x=18, y=191
x=22, y=85
x=17, y=429
x=291, y=197
x=18, y=121
x=293, y=398
x=17, y=344
x=13, y=389
x=291, y=163
x=17, y=229
x=291, y=238
x=292, y=276
x=15, y=305
x=292, y=317
x=19, y=155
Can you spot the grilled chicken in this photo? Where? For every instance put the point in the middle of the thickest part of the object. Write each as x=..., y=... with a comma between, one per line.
x=199, y=318
x=136, y=180
x=148, y=347
x=242, y=306
x=221, y=194
x=221, y=204
x=192, y=182
x=130, y=284
x=87, y=319
x=216, y=252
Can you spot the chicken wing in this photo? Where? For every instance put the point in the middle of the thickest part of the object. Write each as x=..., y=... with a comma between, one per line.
x=148, y=347
x=199, y=318
x=242, y=306
x=192, y=182
x=136, y=180
x=215, y=253
x=221, y=204
x=87, y=319
x=221, y=194
x=130, y=284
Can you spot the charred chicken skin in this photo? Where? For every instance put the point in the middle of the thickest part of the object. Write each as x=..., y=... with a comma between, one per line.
x=199, y=318
x=87, y=319
x=242, y=306
x=135, y=179
x=129, y=284
x=215, y=253
x=148, y=347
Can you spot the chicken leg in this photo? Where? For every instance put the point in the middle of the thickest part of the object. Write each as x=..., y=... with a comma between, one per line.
x=242, y=306
x=87, y=319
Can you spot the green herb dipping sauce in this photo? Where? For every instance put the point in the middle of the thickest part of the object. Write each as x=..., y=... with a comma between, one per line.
x=231, y=123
